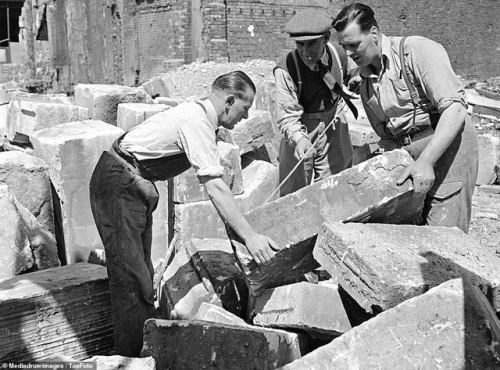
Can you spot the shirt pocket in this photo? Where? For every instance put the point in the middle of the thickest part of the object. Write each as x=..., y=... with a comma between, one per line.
x=398, y=94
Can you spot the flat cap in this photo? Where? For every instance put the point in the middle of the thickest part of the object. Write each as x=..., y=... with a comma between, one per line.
x=308, y=24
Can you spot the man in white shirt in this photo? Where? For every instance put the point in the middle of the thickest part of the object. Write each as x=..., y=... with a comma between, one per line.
x=123, y=195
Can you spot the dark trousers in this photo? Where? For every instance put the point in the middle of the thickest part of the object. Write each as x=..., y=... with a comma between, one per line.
x=122, y=205
x=449, y=202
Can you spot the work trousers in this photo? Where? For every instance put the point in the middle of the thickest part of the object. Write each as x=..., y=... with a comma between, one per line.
x=334, y=152
x=122, y=205
x=449, y=202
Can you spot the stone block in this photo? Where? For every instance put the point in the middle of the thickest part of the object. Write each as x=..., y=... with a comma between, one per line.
x=71, y=151
x=202, y=344
x=182, y=291
x=364, y=193
x=4, y=110
x=131, y=114
x=159, y=86
x=159, y=243
x=187, y=187
x=489, y=156
x=266, y=152
x=171, y=102
x=252, y=133
x=447, y=327
x=16, y=255
x=315, y=309
x=63, y=310
x=8, y=90
x=102, y=100
x=26, y=116
x=216, y=265
x=382, y=265
x=213, y=313
x=28, y=179
x=201, y=220
x=122, y=362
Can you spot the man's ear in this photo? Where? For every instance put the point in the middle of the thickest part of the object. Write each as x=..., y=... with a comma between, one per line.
x=230, y=101
x=374, y=33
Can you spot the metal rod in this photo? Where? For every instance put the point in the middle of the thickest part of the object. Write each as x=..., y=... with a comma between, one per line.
x=299, y=163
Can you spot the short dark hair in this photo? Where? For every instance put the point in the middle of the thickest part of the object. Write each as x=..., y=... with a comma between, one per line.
x=235, y=82
x=356, y=12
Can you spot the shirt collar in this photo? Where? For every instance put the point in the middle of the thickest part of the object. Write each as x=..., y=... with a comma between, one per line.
x=210, y=111
x=386, y=56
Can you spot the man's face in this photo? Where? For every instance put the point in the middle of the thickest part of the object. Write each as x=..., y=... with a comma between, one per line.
x=236, y=109
x=360, y=46
x=310, y=51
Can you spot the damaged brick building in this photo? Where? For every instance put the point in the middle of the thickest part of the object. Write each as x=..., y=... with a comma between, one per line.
x=129, y=41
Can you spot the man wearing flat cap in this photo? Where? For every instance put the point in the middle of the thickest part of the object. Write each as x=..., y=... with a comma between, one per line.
x=309, y=82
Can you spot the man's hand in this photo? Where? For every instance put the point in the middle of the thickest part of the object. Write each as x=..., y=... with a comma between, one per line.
x=422, y=174
x=261, y=248
x=302, y=147
x=353, y=84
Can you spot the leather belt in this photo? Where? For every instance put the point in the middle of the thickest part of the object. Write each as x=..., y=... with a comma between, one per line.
x=407, y=139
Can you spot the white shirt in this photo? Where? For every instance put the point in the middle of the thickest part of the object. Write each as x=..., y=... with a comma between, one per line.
x=185, y=128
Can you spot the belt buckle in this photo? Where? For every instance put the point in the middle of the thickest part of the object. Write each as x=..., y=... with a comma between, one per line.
x=404, y=140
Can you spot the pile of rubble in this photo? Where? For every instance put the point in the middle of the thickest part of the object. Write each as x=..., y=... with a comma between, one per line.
x=353, y=285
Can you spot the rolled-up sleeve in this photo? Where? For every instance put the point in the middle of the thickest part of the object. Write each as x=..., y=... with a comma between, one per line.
x=432, y=67
x=289, y=111
x=198, y=141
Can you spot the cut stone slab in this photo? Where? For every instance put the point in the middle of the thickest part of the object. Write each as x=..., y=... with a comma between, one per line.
x=59, y=310
x=122, y=362
x=250, y=134
x=381, y=266
x=4, y=111
x=202, y=344
x=71, y=151
x=366, y=192
x=131, y=114
x=181, y=289
x=16, y=255
x=213, y=313
x=171, y=102
x=489, y=156
x=266, y=152
x=315, y=309
x=102, y=100
x=446, y=327
x=159, y=243
x=26, y=116
x=28, y=179
x=159, y=86
x=216, y=265
x=187, y=187
x=201, y=220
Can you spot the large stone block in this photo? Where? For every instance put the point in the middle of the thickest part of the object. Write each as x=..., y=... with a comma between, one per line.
x=159, y=243
x=16, y=253
x=381, y=265
x=63, y=310
x=28, y=179
x=26, y=116
x=364, y=193
x=159, y=86
x=202, y=344
x=252, y=133
x=216, y=265
x=489, y=157
x=213, y=313
x=4, y=110
x=201, y=220
x=71, y=151
x=122, y=362
x=131, y=114
x=102, y=100
x=448, y=327
x=187, y=187
x=362, y=134
x=315, y=309
x=181, y=289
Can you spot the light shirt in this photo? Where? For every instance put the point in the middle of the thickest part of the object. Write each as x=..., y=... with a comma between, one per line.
x=386, y=96
x=185, y=128
x=289, y=110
